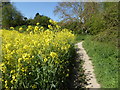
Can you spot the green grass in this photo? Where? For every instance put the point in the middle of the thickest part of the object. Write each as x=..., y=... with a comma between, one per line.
x=104, y=57
x=80, y=37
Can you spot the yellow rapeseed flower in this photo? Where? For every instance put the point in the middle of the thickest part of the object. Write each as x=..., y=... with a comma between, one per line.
x=45, y=59
x=12, y=81
x=34, y=86
x=23, y=70
x=53, y=22
x=67, y=75
x=29, y=27
x=12, y=28
x=20, y=29
x=37, y=23
x=12, y=71
x=31, y=50
x=6, y=82
x=53, y=54
x=41, y=27
x=50, y=27
x=13, y=77
x=19, y=60
x=58, y=27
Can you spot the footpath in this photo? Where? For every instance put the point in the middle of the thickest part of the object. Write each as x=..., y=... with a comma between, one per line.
x=88, y=67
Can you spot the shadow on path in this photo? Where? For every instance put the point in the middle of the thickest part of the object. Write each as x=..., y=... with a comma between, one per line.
x=76, y=80
x=81, y=71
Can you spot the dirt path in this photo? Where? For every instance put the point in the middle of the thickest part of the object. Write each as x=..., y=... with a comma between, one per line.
x=88, y=67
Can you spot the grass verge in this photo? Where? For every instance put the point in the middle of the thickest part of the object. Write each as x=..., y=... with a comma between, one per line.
x=80, y=37
x=104, y=57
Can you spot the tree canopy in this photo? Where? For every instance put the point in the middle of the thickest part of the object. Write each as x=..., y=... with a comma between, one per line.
x=43, y=20
x=10, y=15
x=91, y=17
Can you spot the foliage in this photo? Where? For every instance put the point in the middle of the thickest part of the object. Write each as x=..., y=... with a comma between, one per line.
x=95, y=24
x=36, y=58
x=80, y=37
x=0, y=9
x=103, y=20
x=69, y=10
x=79, y=12
x=43, y=20
x=109, y=35
x=104, y=57
x=10, y=16
x=70, y=14
x=108, y=32
x=111, y=14
x=72, y=25
x=89, y=17
x=32, y=28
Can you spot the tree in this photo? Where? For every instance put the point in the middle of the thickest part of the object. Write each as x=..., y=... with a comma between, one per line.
x=0, y=14
x=110, y=13
x=25, y=18
x=104, y=16
x=43, y=20
x=70, y=12
x=30, y=22
x=10, y=16
x=37, y=14
x=37, y=18
x=79, y=12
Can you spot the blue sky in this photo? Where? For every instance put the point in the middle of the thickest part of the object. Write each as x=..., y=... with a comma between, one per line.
x=29, y=9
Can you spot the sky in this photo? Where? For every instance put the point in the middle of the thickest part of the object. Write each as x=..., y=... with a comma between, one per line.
x=29, y=9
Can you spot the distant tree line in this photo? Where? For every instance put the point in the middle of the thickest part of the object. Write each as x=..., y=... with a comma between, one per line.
x=11, y=17
x=88, y=17
x=43, y=20
x=81, y=17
